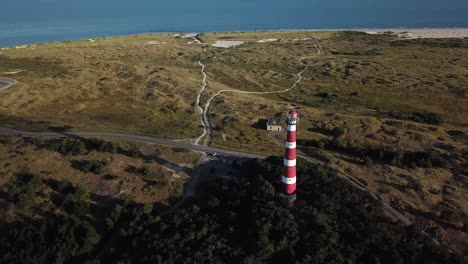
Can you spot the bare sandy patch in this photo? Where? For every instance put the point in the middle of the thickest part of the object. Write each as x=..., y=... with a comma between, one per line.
x=268, y=40
x=227, y=43
x=15, y=71
x=190, y=35
x=422, y=33
x=154, y=42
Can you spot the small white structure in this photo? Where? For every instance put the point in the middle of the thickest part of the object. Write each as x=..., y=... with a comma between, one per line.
x=274, y=124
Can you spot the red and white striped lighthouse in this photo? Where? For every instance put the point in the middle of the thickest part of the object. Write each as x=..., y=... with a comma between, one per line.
x=289, y=167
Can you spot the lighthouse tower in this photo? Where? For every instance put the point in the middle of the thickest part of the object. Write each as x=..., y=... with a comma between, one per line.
x=289, y=167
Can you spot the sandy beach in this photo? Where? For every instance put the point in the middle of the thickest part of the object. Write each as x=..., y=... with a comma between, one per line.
x=422, y=33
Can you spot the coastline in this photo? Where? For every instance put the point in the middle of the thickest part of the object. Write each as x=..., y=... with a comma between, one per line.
x=452, y=32
x=408, y=33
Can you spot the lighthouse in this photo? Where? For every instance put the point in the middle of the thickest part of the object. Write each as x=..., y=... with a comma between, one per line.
x=289, y=166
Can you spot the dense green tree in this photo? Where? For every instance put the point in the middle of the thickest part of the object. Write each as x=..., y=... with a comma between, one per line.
x=244, y=221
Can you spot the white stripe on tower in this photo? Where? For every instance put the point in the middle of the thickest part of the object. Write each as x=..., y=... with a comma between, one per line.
x=292, y=128
x=290, y=145
x=287, y=180
x=289, y=163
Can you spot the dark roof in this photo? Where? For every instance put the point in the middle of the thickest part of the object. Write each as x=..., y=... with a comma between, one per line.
x=274, y=121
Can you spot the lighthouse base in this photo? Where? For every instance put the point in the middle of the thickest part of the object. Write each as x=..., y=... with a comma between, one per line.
x=292, y=198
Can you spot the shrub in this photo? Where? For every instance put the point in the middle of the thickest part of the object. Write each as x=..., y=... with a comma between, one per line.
x=144, y=171
x=321, y=144
x=438, y=43
x=24, y=189
x=327, y=97
x=426, y=117
x=94, y=166
x=68, y=146
x=76, y=202
x=393, y=157
x=338, y=131
x=64, y=187
x=106, y=146
x=449, y=215
x=367, y=52
x=180, y=150
x=134, y=153
x=415, y=184
x=368, y=161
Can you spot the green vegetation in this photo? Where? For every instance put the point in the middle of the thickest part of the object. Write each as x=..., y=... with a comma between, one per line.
x=106, y=146
x=428, y=118
x=357, y=36
x=369, y=52
x=81, y=146
x=338, y=131
x=180, y=150
x=56, y=238
x=327, y=97
x=99, y=169
x=76, y=202
x=436, y=43
x=144, y=171
x=94, y=166
x=412, y=159
x=68, y=146
x=23, y=191
x=250, y=221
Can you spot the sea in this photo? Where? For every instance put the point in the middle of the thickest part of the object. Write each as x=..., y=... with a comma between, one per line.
x=35, y=21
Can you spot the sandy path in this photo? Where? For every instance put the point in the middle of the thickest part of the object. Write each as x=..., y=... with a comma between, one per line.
x=202, y=119
x=6, y=83
x=208, y=104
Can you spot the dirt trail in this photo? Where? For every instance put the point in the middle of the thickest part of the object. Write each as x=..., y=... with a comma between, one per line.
x=6, y=83
x=202, y=119
x=208, y=103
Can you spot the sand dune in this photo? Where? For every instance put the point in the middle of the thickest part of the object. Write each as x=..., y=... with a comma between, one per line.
x=423, y=33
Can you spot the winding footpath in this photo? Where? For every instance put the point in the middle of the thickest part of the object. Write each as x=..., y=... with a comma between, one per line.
x=208, y=103
x=6, y=83
x=206, y=123
x=205, y=119
x=198, y=103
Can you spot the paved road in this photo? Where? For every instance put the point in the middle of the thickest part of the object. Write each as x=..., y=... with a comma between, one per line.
x=6, y=83
x=187, y=145
x=130, y=137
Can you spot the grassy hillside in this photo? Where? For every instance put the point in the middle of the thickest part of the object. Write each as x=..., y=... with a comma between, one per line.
x=107, y=169
x=392, y=113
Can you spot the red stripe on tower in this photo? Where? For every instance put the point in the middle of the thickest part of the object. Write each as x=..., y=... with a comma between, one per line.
x=289, y=166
